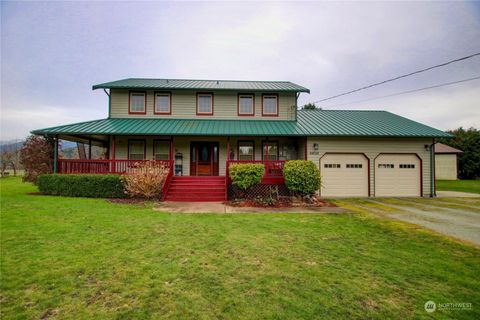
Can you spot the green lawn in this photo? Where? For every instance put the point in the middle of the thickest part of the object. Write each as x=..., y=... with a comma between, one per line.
x=91, y=259
x=472, y=186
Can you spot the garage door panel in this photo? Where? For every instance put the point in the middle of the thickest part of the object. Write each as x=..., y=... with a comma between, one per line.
x=397, y=175
x=344, y=175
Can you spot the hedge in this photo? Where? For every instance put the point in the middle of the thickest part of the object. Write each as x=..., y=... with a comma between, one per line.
x=246, y=175
x=82, y=185
x=302, y=177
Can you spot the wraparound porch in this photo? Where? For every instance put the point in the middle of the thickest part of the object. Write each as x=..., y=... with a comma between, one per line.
x=186, y=156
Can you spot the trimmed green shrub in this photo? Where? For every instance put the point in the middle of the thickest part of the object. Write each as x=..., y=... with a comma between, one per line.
x=246, y=175
x=302, y=177
x=82, y=185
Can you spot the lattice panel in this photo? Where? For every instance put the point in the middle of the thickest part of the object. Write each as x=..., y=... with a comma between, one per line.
x=260, y=190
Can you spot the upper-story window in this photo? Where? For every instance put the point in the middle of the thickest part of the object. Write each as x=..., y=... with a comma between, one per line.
x=138, y=103
x=163, y=103
x=270, y=105
x=204, y=103
x=246, y=104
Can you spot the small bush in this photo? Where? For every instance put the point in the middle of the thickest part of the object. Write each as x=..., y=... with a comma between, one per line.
x=245, y=176
x=146, y=180
x=82, y=185
x=302, y=177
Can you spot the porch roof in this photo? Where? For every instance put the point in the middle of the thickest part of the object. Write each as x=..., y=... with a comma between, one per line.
x=346, y=123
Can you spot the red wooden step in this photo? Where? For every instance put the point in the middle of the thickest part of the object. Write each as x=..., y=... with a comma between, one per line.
x=193, y=189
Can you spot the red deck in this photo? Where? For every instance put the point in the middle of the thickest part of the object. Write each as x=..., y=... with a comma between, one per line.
x=186, y=188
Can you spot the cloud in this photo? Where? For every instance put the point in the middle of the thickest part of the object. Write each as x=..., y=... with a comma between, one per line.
x=53, y=52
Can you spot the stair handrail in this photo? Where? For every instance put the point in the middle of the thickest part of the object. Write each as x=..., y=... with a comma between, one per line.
x=227, y=178
x=168, y=180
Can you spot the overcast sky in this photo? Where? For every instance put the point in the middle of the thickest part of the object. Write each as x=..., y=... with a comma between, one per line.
x=52, y=53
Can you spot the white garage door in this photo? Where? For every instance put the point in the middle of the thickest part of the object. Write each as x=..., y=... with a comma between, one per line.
x=344, y=175
x=397, y=175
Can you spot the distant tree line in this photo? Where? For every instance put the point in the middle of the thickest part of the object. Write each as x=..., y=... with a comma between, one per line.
x=468, y=141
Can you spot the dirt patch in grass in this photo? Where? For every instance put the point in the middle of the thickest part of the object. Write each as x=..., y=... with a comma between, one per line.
x=282, y=202
x=140, y=202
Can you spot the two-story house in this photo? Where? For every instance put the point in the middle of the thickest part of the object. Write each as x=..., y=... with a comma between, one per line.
x=200, y=127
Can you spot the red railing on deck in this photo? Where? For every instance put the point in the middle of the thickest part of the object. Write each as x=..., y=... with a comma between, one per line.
x=104, y=166
x=70, y=166
x=273, y=170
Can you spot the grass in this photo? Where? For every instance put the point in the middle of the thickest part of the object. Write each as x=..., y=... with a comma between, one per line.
x=472, y=186
x=88, y=258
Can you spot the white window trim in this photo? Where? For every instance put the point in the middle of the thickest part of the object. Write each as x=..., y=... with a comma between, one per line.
x=130, y=103
x=263, y=105
x=252, y=96
x=211, y=104
x=163, y=94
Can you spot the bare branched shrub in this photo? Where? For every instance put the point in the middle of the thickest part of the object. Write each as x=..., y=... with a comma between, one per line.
x=145, y=180
x=36, y=156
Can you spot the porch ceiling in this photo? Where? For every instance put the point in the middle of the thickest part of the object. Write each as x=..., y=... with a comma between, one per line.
x=346, y=123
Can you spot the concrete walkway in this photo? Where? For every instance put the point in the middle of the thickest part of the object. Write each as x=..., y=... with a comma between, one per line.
x=456, y=194
x=220, y=207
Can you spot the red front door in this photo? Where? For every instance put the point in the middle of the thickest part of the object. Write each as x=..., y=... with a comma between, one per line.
x=204, y=158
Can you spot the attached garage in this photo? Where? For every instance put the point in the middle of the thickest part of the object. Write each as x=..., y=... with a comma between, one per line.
x=344, y=175
x=398, y=175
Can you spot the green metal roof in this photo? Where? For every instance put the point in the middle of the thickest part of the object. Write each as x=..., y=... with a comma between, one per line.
x=310, y=123
x=183, y=84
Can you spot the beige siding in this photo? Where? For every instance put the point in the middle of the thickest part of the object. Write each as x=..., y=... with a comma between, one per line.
x=372, y=147
x=446, y=166
x=184, y=106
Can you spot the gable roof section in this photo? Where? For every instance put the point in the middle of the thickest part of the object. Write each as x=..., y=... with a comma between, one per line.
x=331, y=123
x=365, y=123
x=184, y=84
x=443, y=148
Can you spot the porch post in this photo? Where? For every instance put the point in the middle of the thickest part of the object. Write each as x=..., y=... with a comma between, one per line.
x=171, y=149
x=306, y=148
x=228, y=148
x=266, y=149
x=55, y=154
x=227, y=169
x=114, y=165
x=89, y=149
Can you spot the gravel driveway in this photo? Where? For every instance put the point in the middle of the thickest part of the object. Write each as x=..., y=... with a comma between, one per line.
x=455, y=217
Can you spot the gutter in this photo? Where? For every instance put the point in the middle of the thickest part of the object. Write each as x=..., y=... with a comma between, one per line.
x=109, y=103
x=433, y=192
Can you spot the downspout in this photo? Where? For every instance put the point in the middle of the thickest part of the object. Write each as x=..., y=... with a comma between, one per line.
x=109, y=103
x=432, y=169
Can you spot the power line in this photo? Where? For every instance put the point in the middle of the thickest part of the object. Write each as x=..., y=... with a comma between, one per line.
x=409, y=91
x=400, y=77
